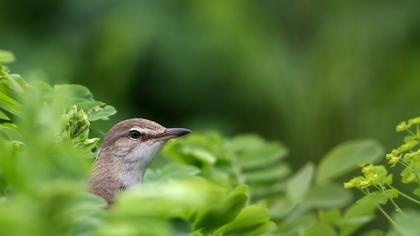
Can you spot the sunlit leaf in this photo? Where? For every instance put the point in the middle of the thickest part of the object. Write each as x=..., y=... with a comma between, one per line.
x=9, y=104
x=6, y=57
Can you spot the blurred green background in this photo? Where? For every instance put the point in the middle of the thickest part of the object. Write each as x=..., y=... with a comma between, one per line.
x=309, y=73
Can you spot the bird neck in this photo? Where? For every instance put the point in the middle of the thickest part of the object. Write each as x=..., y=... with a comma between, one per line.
x=106, y=178
x=115, y=170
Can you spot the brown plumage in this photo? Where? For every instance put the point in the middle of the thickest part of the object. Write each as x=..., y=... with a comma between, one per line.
x=128, y=148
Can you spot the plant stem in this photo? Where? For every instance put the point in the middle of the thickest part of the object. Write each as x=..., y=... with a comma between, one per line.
x=383, y=189
x=408, y=197
x=389, y=218
x=403, y=163
x=397, y=208
x=411, y=132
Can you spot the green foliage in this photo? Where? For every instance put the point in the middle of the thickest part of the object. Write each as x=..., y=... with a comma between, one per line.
x=76, y=129
x=378, y=187
x=203, y=184
x=44, y=163
x=408, y=154
x=297, y=204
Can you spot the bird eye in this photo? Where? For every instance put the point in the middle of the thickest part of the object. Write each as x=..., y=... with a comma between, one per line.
x=134, y=134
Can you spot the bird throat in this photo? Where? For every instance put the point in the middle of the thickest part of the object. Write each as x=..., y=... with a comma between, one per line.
x=136, y=162
x=122, y=169
x=132, y=173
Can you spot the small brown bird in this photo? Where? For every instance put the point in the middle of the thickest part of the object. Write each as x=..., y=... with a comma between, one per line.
x=128, y=148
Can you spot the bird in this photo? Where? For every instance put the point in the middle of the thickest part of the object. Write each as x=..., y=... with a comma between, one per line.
x=127, y=150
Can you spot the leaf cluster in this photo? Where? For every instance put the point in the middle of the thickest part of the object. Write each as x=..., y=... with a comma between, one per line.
x=377, y=184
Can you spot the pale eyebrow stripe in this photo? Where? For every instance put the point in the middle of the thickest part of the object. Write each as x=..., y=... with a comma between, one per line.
x=145, y=131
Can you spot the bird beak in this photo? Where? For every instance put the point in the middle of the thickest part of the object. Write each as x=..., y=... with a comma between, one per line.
x=173, y=133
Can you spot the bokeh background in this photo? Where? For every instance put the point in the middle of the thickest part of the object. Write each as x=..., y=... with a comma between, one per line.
x=309, y=73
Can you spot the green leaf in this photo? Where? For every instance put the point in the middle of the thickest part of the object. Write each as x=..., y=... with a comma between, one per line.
x=199, y=154
x=8, y=104
x=13, y=86
x=246, y=142
x=10, y=131
x=296, y=225
x=92, y=202
x=6, y=57
x=332, y=216
x=417, y=192
x=79, y=93
x=210, y=219
x=299, y=184
x=346, y=157
x=97, y=110
x=374, y=232
x=102, y=113
x=267, y=190
x=276, y=172
x=254, y=153
x=391, y=193
x=169, y=172
x=327, y=196
x=361, y=212
x=408, y=222
x=321, y=229
x=408, y=175
x=252, y=220
x=257, y=163
x=181, y=197
x=3, y=116
x=201, y=150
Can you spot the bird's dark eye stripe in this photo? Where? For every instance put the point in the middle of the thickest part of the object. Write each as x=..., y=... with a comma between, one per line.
x=134, y=134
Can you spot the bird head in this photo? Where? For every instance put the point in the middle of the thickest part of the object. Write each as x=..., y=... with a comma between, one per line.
x=138, y=139
x=128, y=148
